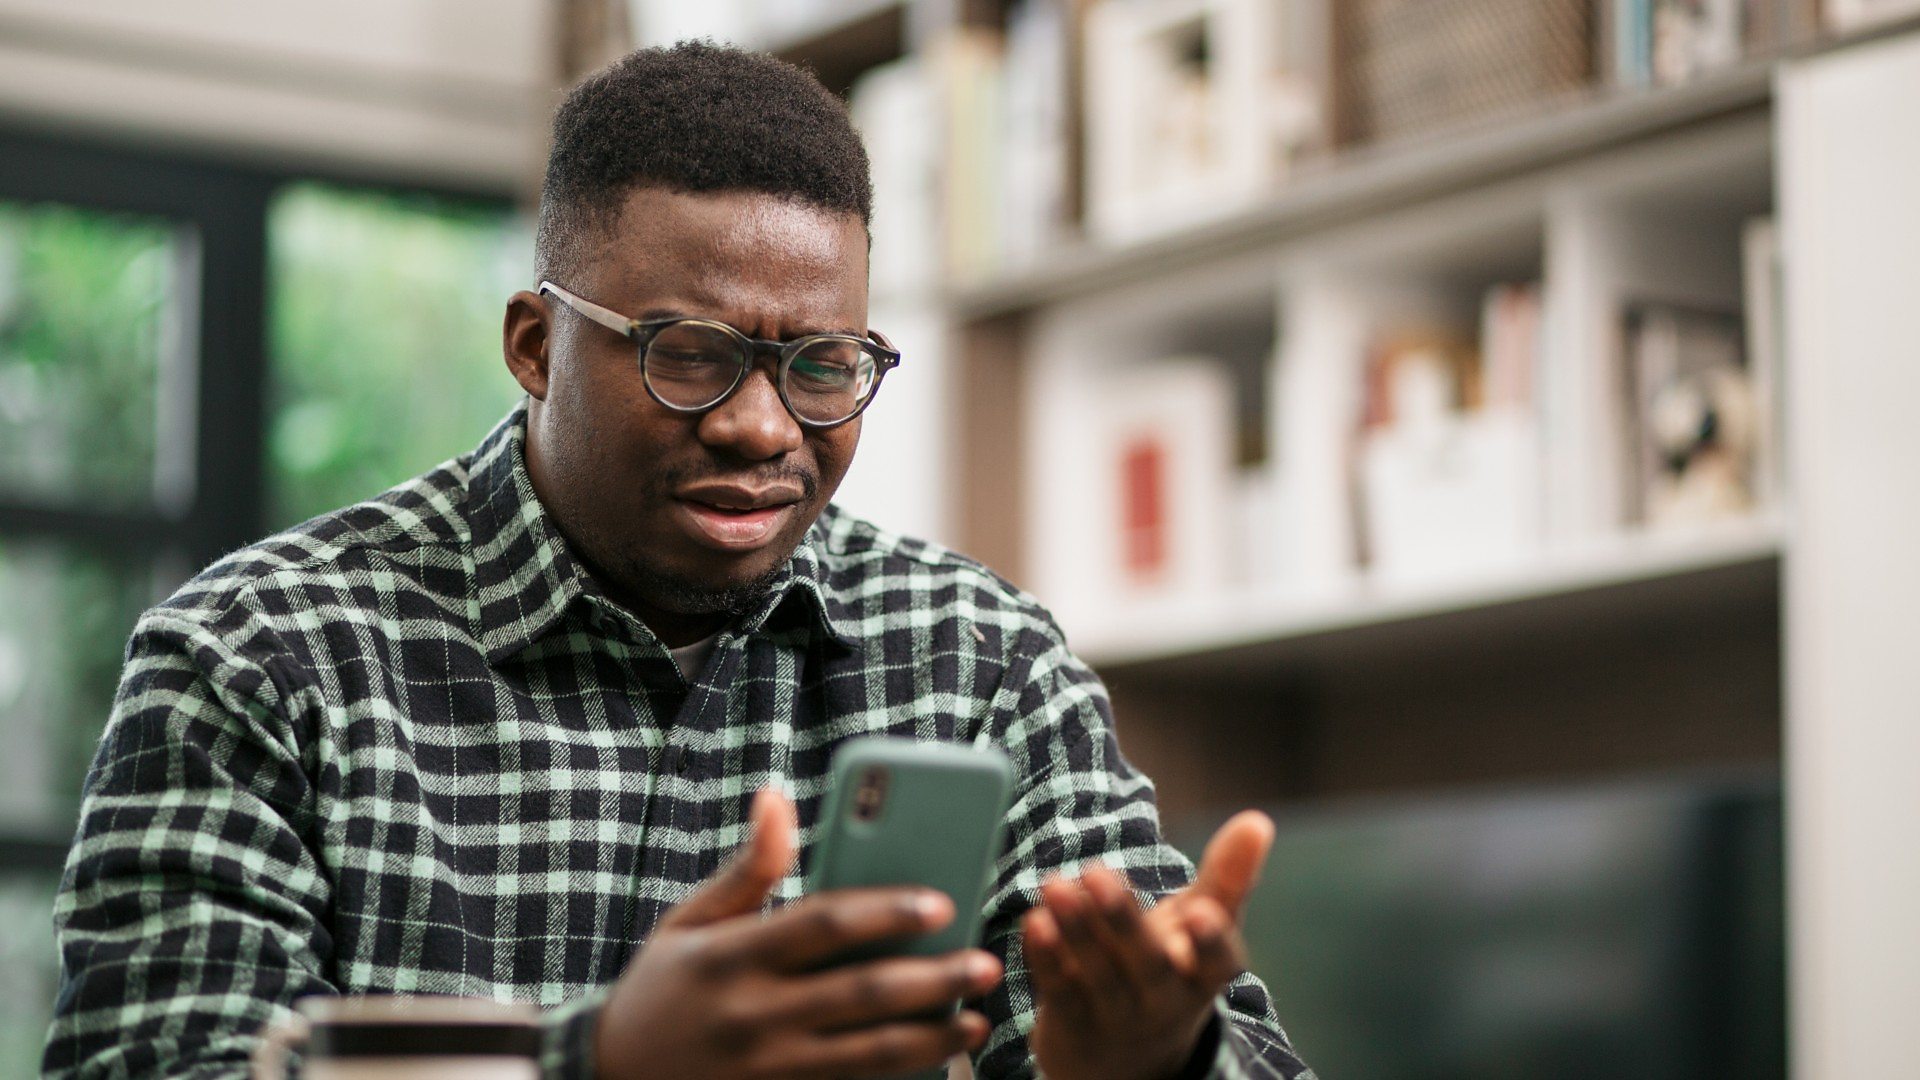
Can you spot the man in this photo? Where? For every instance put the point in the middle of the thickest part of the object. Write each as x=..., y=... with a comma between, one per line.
x=523, y=727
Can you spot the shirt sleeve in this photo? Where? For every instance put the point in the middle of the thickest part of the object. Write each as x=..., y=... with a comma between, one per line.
x=1079, y=800
x=193, y=910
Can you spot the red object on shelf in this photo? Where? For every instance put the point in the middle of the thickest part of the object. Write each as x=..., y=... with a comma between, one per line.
x=1143, y=508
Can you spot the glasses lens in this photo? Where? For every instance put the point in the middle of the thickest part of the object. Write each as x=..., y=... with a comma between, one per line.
x=690, y=365
x=830, y=379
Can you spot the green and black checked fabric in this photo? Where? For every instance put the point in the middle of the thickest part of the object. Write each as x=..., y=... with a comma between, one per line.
x=411, y=747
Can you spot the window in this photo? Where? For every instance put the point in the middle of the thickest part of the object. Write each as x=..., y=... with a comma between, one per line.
x=193, y=355
x=384, y=314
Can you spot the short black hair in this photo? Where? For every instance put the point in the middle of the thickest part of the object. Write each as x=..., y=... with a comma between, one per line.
x=693, y=117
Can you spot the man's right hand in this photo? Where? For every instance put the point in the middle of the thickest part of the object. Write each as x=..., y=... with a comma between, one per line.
x=718, y=991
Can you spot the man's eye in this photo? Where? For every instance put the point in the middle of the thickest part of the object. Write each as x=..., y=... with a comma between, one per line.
x=682, y=358
x=819, y=373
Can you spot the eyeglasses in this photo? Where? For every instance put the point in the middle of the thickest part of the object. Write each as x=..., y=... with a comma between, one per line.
x=692, y=365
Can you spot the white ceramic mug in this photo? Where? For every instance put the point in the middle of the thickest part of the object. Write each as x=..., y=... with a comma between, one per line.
x=415, y=1038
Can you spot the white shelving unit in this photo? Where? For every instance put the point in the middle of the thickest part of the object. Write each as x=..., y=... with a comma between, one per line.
x=1269, y=627
x=1368, y=180
x=1657, y=217
x=1852, y=598
x=1785, y=639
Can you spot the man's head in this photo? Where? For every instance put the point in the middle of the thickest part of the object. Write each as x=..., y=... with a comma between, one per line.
x=705, y=182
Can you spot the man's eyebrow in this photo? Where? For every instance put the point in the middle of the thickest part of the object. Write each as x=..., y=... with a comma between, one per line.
x=653, y=314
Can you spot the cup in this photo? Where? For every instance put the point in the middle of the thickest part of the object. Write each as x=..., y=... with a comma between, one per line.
x=415, y=1038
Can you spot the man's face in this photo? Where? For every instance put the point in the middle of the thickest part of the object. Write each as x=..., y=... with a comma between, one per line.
x=652, y=498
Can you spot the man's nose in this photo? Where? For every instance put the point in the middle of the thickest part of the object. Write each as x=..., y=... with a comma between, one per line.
x=754, y=423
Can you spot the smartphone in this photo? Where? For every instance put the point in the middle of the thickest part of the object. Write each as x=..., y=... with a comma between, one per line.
x=902, y=812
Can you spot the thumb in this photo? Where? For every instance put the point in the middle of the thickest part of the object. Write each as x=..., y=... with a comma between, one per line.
x=1231, y=864
x=742, y=885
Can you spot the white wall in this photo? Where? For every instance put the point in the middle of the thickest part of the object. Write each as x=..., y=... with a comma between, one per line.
x=899, y=478
x=455, y=91
x=1850, y=211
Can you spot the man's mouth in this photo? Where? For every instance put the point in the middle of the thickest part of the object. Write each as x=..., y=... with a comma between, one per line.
x=735, y=528
x=738, y=516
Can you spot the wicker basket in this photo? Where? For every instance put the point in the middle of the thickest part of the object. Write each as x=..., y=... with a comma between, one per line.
x=1408, y=66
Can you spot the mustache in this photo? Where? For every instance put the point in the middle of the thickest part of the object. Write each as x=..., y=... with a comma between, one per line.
x=770, y=475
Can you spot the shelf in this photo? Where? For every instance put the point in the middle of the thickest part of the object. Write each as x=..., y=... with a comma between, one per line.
x=1632, y=577
x=1374, y=179
x=859, y=36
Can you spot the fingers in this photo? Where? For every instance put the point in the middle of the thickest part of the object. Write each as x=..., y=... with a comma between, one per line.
x=1166, y=924
x=1047, y=962
x=1057, y=980
x=1231, y=864
x=1121, y=926
x=1074, y=913
x=861, y=995
x=742, y=885
x=889, y=1050
x=807, y=935
x=1219, y=954
x=1092, y=934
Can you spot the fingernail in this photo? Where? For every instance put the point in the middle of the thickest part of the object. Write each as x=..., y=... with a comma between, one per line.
x=931, y=907
x=980, y=967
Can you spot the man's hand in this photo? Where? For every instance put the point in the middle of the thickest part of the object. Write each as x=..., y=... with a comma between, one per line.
x=1126, y=994
x=718, y=991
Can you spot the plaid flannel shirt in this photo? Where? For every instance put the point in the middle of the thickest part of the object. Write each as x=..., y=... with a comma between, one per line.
x=412, y=747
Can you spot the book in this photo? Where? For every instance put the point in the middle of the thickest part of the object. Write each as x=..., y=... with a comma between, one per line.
x=970, y=62
x=1763, y=285
x=1694, y=37
x=893, y=107
x=1510, y=330
x=1631, y=39
x=1165, y=468
x=1693, y=422
x=1036, y=152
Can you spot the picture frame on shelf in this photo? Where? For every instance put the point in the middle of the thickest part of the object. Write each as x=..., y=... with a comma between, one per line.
x=1196, y=107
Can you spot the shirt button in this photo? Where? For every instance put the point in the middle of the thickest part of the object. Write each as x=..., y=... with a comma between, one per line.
x=677, y=759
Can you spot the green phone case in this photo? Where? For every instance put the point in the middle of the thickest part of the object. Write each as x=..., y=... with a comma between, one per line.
x=939, y=825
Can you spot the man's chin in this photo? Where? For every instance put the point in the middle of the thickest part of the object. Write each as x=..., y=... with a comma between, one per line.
x=686, y=594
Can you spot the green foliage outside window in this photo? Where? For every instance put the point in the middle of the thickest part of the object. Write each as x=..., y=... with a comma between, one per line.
x=87, y=301
x=65, y=616
x=385, y=315
x=26, y=955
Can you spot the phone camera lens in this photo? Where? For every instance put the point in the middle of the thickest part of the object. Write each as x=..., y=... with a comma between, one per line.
x=871, y=794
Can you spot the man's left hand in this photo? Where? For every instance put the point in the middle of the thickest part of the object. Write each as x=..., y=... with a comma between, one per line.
x=1126, y=994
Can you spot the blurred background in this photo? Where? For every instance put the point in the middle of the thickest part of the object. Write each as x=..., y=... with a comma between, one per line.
x=1479, y=432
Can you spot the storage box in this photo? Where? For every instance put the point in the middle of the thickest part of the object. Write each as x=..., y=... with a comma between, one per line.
x=1408, y=66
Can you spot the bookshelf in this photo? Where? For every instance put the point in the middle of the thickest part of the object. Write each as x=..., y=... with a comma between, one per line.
x=1369, y=180
x=1603, y=647
x=847, y=40
x=1511, y=196
x=1242, y=634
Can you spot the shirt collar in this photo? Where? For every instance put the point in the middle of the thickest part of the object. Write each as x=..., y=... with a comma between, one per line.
x=527, y=577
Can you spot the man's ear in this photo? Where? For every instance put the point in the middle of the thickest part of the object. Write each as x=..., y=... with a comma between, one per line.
x=526, y=338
